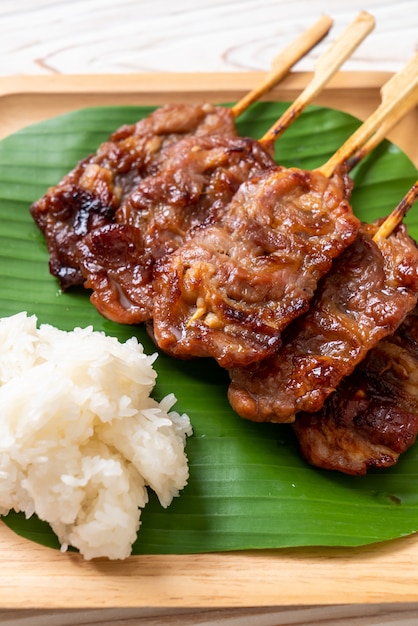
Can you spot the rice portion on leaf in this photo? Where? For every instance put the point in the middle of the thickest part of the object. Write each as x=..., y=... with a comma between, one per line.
x=80, y=437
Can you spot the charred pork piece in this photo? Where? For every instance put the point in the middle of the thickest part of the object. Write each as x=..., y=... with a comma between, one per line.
x=371, y=288
x=90, y=194
x=231, y=289
x=372, y=417
x=196, y=179
x=85, y=199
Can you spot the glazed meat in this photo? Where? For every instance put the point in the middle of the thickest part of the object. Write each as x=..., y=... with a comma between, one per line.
x=89, y=196
x=366, y=296
x=233, y=286
x=196, y=179
x=85, y=199
x=118, y=271
x=372, y=417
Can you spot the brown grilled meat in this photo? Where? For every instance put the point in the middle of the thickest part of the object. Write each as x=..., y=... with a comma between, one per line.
x=372, y=417
x=233, y=286
x=89, y=196
x=196, y=179
x=366, y=296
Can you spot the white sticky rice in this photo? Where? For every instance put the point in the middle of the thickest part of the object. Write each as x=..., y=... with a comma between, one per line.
x=80, y=437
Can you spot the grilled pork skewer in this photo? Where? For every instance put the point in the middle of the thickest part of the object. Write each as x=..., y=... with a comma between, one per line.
x=88, y=197
x=250, y=392
x=372, y=416
x=167, y=206
x=195, y=180
x=369, y=291
x=232, y=288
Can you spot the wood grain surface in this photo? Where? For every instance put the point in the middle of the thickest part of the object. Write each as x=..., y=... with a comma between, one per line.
x=342, y=615
x=128, y=36
x=41, y=578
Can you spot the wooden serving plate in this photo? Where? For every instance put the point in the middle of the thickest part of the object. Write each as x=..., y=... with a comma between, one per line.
x=28, y=99
x=35, y=577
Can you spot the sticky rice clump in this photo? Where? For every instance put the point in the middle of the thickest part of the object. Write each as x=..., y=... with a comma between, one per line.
x=80, y=436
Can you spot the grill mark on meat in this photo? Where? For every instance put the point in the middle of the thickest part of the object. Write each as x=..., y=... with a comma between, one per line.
x=238, y=283
x=71, y=211
x=118, y=292
x=197, y=178
x=105, y=178
x=372, y=418
x=368, y=293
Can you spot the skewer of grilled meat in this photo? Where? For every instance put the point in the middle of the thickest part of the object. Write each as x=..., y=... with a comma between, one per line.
x=372, y=416
x=232, y=288
x=370, y=289
x=89, y=196
x=196, y=179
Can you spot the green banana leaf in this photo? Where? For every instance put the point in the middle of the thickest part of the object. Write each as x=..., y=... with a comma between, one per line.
x=248, y=487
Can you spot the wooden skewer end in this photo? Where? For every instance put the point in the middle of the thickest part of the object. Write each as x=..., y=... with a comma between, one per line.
x=397, y=215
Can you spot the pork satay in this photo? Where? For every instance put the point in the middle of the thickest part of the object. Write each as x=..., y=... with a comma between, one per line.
x=233, y=287
x=88, y=197
x=138, y=209
x=372, y=417
x=196, y=179
x=191, y=188
x=365, y=296
x=369, y=291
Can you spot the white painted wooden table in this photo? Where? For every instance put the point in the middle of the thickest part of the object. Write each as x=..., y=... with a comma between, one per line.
x=42, y=37
x=107, y=36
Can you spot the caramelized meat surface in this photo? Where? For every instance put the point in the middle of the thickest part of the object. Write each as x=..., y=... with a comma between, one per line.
x=366, y=296
x=89, y=196
x=119, y=272
x=372, y=417
x=234, y=285
x=196, y=179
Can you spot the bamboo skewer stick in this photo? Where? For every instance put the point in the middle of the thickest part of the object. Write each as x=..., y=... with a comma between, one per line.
x=327, y=65
x=284, y=61
x=397, y=215
x=399, y=89
x=399, y=95
x=401, y=111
